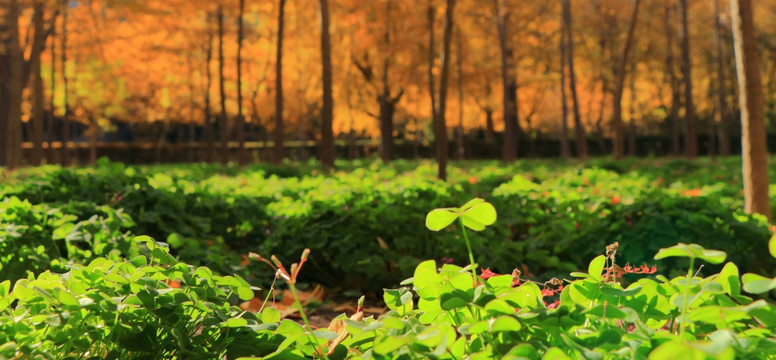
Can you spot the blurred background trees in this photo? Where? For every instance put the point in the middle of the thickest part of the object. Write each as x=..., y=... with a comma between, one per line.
x=154, y=79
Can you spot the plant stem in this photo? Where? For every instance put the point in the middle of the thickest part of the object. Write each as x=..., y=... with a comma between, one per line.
x=306, y=322
x=686, y=295
x=468, y=245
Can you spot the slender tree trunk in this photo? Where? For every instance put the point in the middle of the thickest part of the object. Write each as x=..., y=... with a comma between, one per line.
x=94, y=131
x=15, y=86
x=327, y=115
x=387, y=108
x=52, y=113
x=431, y=56
x=690, y=135
x=5, y=74
x=600, y=128
x=673, y=82
x=564, y=124
x=632, y=115
x=489, y=131
x=223, y=120
x=459, y=57
x=207, y=124
x=619, y=132
x=750, y=97
x=722, y=123
x=37, y=90
x=579, y=129
x=386, y=101
x=277, y=156
x=509, y=82
x=65, y=157
x=441, y=129
x=242, y=153
x=192, y=141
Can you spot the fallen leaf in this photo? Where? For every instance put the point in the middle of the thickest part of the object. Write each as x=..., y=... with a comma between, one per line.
x=338, y=326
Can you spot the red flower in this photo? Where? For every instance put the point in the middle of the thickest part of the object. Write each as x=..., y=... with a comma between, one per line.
x=487, y=274
x=554, y=305
x=547, y=292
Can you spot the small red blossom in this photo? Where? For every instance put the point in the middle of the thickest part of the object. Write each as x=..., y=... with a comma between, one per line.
x=487, y=274
x=553, y=305
x=547, y=292
x=577, y=225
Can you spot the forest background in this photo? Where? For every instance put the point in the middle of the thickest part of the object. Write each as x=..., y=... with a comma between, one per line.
x=158, y=81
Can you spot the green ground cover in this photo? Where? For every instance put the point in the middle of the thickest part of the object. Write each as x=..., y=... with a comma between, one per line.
x=82, y=278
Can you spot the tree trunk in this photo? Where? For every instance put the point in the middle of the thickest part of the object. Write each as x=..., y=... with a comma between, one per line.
x=459, y=58
x=242, y=153
x=690, y=136
x=489, y=132
x=750, y=97
x=431, y=14
x=722, y=123
x=14, y=87
x=509, y=82
x=65, y=157
x=579, y=129
x=37, y=91
x=223, y=120
x=208, y=126
x=441, y=129
x=632, y=116
x=673, y=82
x=327, y=115
x=277, y=156
x=599, y=124
x=386, y=101
x=5, y=74
x=94, y=131
x=564, y=124
x=52, y=113
x=192, y=128
x=387, y=108
x=619, y=131
x=431, y=57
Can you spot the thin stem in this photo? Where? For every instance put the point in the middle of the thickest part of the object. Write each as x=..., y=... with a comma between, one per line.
x=306, y=322
x=468, y=245
x=686, y=295
x=269, y=293
x=471, y=261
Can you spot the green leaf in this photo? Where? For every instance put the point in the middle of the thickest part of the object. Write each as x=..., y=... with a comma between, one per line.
x=470, y=204
x=325, y=334
x=175, y=240
x=236, y=322
x=758, y=284
x=729, y=279
x=505, y=323
x=244, y=293
x=270, y=315
x=692, y=251
x=555, y=354
x=772, y=245
x=479, y=216
x=439, y=219
x=399, y=300
x=454, y=300
x=426, y=274
x=596, y=267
